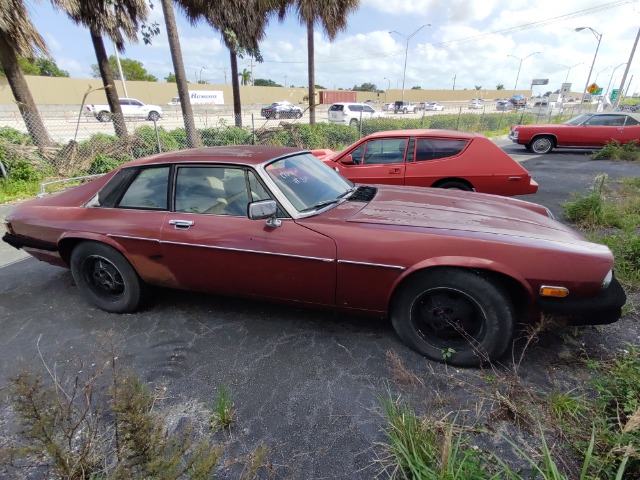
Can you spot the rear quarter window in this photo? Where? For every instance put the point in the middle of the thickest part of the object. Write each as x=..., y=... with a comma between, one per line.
x=335, y=108
x=434, y=148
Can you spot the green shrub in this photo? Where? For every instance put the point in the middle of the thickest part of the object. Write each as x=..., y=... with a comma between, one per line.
x=147, y=141
x=615, y=150
x=212, y=137
x=103, y=164
x=24, y=171
x=11, y=135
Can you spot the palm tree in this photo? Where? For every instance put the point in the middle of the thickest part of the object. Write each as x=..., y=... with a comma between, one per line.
x=18, y=36
x=115, y=19
x=193, y=139
x=332, y=15
x=242, y=25
x=245, y=77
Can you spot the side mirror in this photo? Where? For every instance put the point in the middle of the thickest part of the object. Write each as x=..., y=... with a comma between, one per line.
x=347, y=160
x=264, y=209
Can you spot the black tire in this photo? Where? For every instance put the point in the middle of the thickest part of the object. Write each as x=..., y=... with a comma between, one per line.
x=154, y=116
x=528, y=148
x=542, y=144
x=104, y=116
x=299, y=115
x=405, y=111
x=454, y=316
x=353, y=123
x=106, y=278
x=455, y=185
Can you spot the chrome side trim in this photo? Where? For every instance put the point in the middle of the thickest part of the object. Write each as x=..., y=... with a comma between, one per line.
x=367, y=264
x=128, y=237
x=231, y=249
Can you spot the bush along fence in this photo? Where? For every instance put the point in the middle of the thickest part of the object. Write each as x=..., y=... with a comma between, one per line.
x=86, y=146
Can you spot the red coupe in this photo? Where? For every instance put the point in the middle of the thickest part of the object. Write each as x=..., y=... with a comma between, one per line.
x=431, y=158
x=455, y=271
x=591, y=130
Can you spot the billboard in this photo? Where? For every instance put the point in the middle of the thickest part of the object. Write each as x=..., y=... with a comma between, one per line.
x=206, y=97
x=540, y=81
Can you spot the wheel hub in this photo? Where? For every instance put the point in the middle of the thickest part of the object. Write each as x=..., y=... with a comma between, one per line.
x=106, y=277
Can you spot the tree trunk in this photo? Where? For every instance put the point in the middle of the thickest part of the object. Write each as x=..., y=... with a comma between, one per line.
x=22, y=94
x=193, y=138
x=235, y=83
x=110, y=86
x=312, y=77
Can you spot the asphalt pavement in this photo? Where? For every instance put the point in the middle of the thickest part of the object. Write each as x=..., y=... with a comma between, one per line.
x=306, y=383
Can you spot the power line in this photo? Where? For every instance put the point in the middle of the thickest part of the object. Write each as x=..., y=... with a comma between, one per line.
x=475, y=38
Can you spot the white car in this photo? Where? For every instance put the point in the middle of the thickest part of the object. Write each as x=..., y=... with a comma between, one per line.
x=434, y=107
x=476, y=103
x=130, y=108
x=351, y=113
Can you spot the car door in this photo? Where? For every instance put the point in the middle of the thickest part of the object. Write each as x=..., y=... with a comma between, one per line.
x=211, y=245
x=600, y=129
x=378, y=160
x=136, y=108
x=125, y=105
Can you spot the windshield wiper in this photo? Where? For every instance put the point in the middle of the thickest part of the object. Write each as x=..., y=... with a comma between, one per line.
x=319, y=205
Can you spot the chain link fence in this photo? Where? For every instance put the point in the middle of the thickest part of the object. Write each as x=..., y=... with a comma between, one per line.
x=67, y=144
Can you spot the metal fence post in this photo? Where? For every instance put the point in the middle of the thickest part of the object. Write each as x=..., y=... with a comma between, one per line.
x=459, y=115
x=155, y=126
x=253, y=130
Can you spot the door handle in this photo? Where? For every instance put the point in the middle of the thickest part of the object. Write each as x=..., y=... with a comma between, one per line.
x=181, y=224
x=394, y=170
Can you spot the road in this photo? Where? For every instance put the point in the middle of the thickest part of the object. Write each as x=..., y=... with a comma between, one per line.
x=305, y=382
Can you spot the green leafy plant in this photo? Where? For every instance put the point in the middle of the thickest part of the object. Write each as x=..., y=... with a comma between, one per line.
x=615, y=150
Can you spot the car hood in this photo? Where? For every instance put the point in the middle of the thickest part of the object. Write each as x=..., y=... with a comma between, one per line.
x=465, y=211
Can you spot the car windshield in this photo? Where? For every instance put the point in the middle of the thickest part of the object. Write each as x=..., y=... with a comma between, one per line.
x=307, y=182
x=579, y=120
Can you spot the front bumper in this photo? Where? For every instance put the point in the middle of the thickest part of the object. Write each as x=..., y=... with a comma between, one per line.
x=513, y=136
x=604, y=308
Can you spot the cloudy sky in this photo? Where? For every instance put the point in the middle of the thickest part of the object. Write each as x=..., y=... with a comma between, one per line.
x=467, y=43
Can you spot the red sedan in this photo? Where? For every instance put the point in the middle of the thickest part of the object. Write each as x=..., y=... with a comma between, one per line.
x=591, y=130
x=431, y=158
x=455, y=271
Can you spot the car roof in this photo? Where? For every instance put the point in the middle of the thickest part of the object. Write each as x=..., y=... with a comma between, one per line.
x=349, y=103
x=419, y=132
x=633, y=115
x=236, y=154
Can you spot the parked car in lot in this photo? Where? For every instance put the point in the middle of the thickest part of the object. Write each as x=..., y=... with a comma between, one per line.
x=131, y=108
x=590, y=130
x=504, y=105
x=431, y=158
x=454, y=271
x=476, y=103
x=278, y=110
x=404, y=107
x=350, y=113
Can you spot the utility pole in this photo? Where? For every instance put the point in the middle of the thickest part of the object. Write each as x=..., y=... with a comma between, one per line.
x=225, y=75
x=285, y=81
x=454, y=82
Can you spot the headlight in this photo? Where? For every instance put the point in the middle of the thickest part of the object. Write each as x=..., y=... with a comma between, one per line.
x=607, y=280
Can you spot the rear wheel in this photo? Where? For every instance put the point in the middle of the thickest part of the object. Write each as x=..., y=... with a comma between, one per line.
x=104, y=116
x=299, y=115
x=353, y=122
x=455, y=185
x=542, y=144
x=454, y=316
x=154, y=116
x=106, y=277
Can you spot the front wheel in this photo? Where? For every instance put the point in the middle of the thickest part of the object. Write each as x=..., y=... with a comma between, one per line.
x=542, y=144
x=299, y=115
x=454, y=316
x=106, y=278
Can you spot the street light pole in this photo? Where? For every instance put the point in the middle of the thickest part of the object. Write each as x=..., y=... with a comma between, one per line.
x=388, y=88
x=606, y=93
x=569, y=69
x=599, y=37
x=515, y=87
x=201, y=68
x=406, y=52
x=626, y=70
